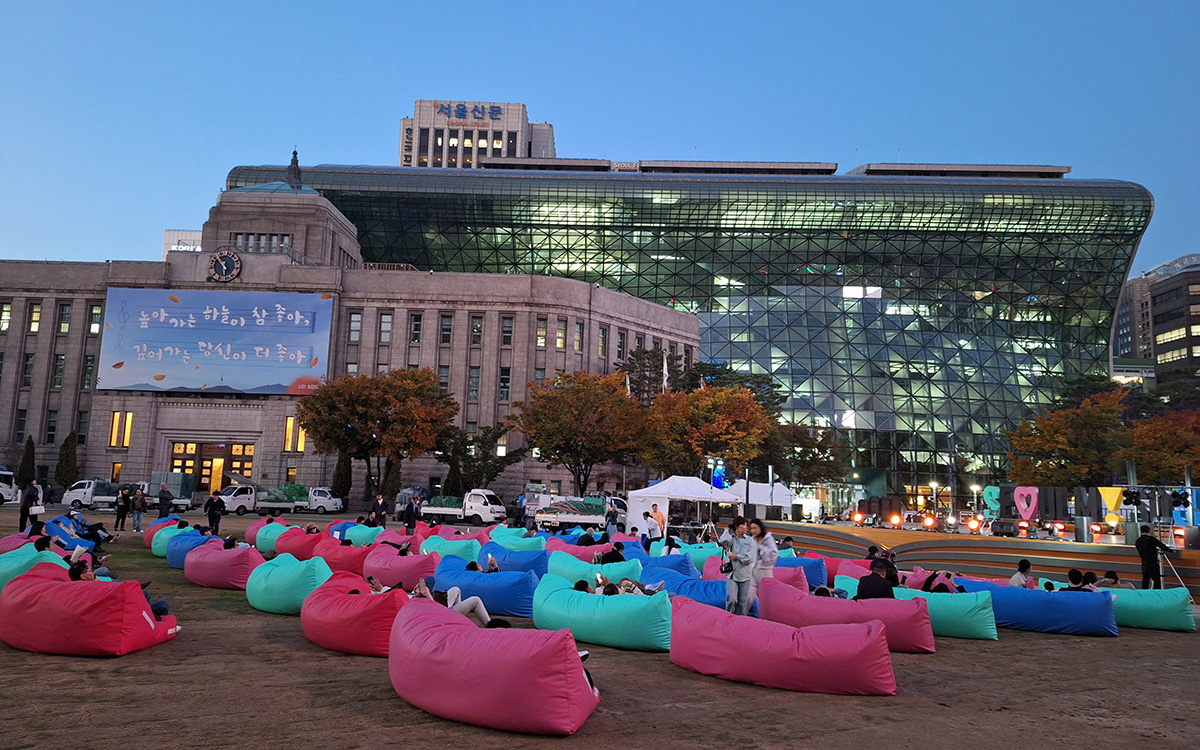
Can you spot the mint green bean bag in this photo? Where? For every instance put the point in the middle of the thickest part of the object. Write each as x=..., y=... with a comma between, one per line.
x=789, y=552
x=519, y=544
x=282, y=584
x=361, y=536
x=954, y=615
x=573, y=569
x=264, y=542
x=467, y=550
x=1157, y=609
x=158, y=546
x=627, y=621
x=20, y=560
x=509, y=531
x=698, y=552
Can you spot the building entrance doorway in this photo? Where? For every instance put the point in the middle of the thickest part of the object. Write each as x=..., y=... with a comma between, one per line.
x=208, y=463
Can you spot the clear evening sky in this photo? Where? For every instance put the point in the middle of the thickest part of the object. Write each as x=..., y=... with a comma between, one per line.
x=120, y=120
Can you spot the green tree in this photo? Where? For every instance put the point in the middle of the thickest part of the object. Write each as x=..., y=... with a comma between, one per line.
x=472, y=459
x=1075, y=447
x=720, y=375
x=814, y=454
x=644, y=371
x=27, y=468
x=578, y=421
x=66, y=473
x=342, y=476
x=683, y=428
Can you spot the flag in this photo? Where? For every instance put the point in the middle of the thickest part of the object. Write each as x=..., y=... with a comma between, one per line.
x=665, y=387
x=628, y=392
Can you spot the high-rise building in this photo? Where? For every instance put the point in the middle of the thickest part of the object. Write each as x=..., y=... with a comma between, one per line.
x=1133, y=335
x=1175, y=306
x=464, y=134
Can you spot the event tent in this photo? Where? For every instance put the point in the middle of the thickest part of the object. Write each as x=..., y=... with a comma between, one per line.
x=676, y=488
x=761, y=493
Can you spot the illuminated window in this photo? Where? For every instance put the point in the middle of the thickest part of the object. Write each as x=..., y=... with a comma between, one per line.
x=64, y=318
x=541, y=332
x=506, y=330
x=1171, y=335
x=5, y=316
x=476, y=330
x=35, y=318
x=60, y=367
x=385, y=328
x=414, y=328
x=355, y=326
x=1172, y=356
x=290, y=476
x=579, y=336
x=560, y=334
x=351, y=368
x=289, y=433
x=1195, y=331
x=116, y=472
x=128, y=429
x=120, y=429
x=95, y=315
x=502, y=445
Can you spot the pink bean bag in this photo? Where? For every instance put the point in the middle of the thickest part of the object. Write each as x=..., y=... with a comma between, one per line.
x=46, y=612
x=622, y=537
x=712, y=570
x=14, y=541
x=384, y=565
x=838, y=659
x=213, y=566
x=341, y=558
x=297, y=543
x=907, y=620
x=518, y=679
x=587, y=554
x=793, y=577
x=252, y=529
x=153, y=528
x=395, y=537
x=337, y=620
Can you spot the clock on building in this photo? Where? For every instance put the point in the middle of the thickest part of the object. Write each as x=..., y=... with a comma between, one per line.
x=224, y=265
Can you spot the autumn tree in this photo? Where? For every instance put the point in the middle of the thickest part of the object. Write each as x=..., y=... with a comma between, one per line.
x=682, y=428
x=1164, y=446
x=578, y=421
x=397, y=416
x=472, y=457
x=644, y=371
x=1076, y=447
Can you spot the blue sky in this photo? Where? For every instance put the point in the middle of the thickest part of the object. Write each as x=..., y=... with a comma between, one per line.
x=121, y=120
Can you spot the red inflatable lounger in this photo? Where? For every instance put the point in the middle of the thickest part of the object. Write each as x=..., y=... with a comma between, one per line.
x=586, y=554
x=391, y=569
x=907, y=621
x=46, y=612
x=837, y=659
x=361, y=623
x=793, y=577
x=297, y=543
x=213, y=566
x=153, y=528
x=341, y=558
x=518, y=679
x=14, y=541
x=252, y=529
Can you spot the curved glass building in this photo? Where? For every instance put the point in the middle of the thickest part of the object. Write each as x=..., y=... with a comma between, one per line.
x=920, y=315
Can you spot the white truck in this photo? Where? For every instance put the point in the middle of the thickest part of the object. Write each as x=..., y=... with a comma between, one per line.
x=477, y=508
x=561, y=512
x=8, y=487
x=240, y=498
x=97, y=494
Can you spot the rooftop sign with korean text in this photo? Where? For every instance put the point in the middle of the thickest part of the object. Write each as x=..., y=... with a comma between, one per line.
x=215, y=341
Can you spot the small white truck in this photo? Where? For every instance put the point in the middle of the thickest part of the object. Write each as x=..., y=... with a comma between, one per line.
x=8, y=487
x=97, y=494
x=560, y=512
x=477, y=508
x=240, y=498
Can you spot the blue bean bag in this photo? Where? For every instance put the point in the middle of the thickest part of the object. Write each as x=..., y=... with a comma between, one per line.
x=468, y=550
x=954, y=615
x=533, y=561
x=1070, y=612
x=626, y=621
x=180, y=545
x=361, y=536
x=20, y=560
x=573, y=569
x=68, y=541
x=1157, y=609
x=814, y=569
x=503, y=593
x=635, y=551
x=681, y=564
x=282, y=584
x=338, y=530
x=519, y=544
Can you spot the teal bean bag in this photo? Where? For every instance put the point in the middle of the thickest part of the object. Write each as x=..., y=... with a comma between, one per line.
x=789, y=552
x=954, y=615
x=573, y=569
x=467, y=550
x=264, y=542
x=20, y=560
x=361, y=536
x=700, y=552
x=519, y=544
x=626, y=621
x=508, y=531
x=1157, y=609
x=159, y=546
x=282, y=584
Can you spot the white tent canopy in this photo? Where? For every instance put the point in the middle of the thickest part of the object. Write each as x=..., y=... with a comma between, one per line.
x=761, y=493
x=673, y=488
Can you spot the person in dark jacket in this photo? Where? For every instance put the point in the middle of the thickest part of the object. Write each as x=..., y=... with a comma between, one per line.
x=215, y=507
x=410, y=515
x=165, y=499
x=30, y=497
x=380, y=509
x=124, y=503
x=875, y=584
x=1148, y=548
x=615, y=555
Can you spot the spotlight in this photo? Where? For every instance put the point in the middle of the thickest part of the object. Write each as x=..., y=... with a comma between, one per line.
x=895, y=521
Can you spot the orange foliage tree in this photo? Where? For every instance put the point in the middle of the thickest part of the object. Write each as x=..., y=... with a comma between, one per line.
x=578, y=421
x=1077, y=447
x=1164, y=446
x=682, y=428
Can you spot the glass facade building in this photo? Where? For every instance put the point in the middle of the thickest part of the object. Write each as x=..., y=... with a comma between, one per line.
x=919, y=315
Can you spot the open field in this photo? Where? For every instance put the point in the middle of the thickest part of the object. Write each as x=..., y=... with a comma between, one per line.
x=236, y=676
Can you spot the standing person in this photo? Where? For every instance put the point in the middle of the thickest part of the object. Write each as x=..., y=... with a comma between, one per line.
x=139, y=508
x=653, y=530
x=519, y=513
x=739, y=545
x=610, y=521
x=215, y=507
x=124, y=501
x=30, y=498
x=662, y=520
x=380, y=509
x=165, y=499
x=1148, y=548
x=410, y=515
x=765, y=555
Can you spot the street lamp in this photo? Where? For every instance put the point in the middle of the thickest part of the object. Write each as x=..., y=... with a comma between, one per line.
x=933, y=487
x=714, y=463
x=975, y=497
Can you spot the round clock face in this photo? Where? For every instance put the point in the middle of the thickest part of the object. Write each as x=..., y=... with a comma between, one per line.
x=224, y=265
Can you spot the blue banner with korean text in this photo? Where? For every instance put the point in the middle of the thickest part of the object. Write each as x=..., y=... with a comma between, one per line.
x=215, y=341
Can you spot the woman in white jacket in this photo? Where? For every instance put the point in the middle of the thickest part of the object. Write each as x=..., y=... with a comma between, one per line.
x=765, y=555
